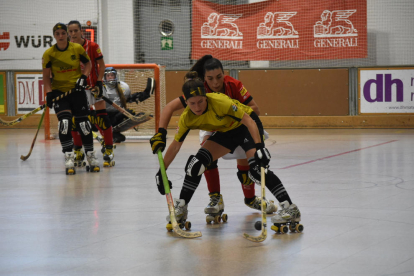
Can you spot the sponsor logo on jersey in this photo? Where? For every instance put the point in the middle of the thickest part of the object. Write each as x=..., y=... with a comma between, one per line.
x=219, y=117
x=73, y=57
x=243, y=91
x=234, y=107
x=245, y=140
x=98, y=50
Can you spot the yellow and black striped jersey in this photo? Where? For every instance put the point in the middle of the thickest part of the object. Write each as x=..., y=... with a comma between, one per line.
x=65, y=65
x=222, y=114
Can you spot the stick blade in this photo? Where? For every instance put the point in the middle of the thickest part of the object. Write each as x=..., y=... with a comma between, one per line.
x=259, y=238
x=185, y=234
x=24, y=158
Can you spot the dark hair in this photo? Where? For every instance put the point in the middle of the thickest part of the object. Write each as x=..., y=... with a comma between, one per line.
x=193, y=85
x=60, y=26
x=206, y=63
x=75, y=22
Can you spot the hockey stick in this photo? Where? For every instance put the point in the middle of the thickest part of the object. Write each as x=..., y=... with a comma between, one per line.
x=170, y=203
x=263, y=234
x=18, y=120
x=24, y=158
x=117, y=107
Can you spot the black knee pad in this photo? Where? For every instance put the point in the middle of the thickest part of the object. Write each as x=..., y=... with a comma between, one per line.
x=83, y=125
x=196, y=165
x=213, y=165
x=244, y=177
x=65, y=123
x=102, y=119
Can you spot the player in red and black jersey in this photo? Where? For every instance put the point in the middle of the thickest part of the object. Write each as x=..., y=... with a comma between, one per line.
x=100, y=116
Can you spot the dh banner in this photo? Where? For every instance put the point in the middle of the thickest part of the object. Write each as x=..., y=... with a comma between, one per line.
x=386, y=90
x=280, y=30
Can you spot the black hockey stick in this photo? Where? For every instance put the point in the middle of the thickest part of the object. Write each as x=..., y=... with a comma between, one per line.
x=117, y=107
x=170, y=203
x=18, y=120
x=24, y=158
x=263, y=234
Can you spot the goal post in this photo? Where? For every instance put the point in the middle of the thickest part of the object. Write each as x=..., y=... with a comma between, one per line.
x=135, y=75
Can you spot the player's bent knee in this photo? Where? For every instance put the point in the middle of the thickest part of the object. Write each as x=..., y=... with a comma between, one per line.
x=196, y=165
x=65, y=119
x=83, y=125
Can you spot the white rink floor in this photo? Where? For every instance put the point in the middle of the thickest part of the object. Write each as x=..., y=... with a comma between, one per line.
x=355, y=189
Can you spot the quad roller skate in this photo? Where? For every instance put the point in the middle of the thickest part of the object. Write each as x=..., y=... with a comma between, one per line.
x=181, y=213
x=69, y=163
x=215, y=209
x=287, y=218
x=256, y=204
x=108, y=157
x=93, y=162
x=101, y=141
x=79, y=157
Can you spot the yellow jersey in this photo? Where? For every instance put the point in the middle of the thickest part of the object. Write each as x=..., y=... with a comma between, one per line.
x=222, y=114
x=65, y=65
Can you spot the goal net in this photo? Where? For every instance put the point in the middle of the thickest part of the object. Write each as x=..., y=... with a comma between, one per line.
x=135, y=75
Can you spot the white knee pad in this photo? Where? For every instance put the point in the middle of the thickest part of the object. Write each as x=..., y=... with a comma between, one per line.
x=85, y=127
x=63, y=126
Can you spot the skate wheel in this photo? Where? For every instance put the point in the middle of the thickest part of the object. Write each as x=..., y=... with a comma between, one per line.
x=209, y=219
x=103, y=150
x=87, y=168
x=96, y=169
x=70, y=171
x=284, y=229
x=225, y=217
x=169, y=227
x=275, y=228
x=83, y=163
x=114, y=146
x=292, y=228
x=105, y=164
x=217, y=219
x=187, y=225
x=299, y=228
x=112, y=163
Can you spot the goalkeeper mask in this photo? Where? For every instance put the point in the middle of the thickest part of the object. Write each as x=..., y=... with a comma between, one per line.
x=110, y=77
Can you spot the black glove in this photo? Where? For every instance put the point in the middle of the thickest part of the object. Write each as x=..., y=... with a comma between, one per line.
x=160, y=183
x=81, y=83
x=50, y=96
x=159, y=140
x=138, y=97
x=262, y=155
x=98, y=90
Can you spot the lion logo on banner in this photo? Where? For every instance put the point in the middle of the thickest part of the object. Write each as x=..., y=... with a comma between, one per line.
x=222, y=26
x=335, y=23
x=277, y=25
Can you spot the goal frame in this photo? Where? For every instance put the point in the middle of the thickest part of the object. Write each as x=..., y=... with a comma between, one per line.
x=157, y=93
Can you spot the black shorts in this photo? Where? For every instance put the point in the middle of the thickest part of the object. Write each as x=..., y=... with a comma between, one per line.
x=75, y=102
x=233, y=138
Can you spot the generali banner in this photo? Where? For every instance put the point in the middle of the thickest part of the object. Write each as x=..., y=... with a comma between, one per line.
x=280, y=30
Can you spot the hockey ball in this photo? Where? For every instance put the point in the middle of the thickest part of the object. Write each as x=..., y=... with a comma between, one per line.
x=258, y=225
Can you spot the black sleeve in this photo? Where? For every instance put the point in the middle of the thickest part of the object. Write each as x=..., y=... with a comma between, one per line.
x=83, y=59
x=182, y=101
x=248, y=100
x=259, y=124
x=184, y=136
